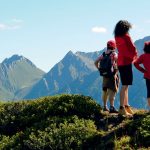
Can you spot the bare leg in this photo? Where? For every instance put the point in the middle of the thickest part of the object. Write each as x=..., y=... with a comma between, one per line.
x=148, y=100
x=111, y=97
x=111, y=101
x=105, y=97
x=124, y=95
x=126, y=103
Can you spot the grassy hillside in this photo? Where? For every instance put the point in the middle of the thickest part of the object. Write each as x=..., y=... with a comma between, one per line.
x=69, y=122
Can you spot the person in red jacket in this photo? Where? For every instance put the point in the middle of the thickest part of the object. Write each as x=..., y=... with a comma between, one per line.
x=127, y=53
x=144, y=60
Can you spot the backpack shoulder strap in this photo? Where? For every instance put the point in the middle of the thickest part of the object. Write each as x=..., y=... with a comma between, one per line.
x=103, y=54
x=113, y=52
x=109, y=53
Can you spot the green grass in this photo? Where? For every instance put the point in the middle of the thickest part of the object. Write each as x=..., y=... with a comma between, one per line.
x=69, y=122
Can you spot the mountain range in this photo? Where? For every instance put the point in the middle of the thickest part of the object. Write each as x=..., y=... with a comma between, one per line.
x=17, y=76
x=74, y=74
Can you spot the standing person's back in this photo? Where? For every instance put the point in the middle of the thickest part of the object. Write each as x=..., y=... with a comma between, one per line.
x=126, y=50
x=107, y=65
x=126, y=55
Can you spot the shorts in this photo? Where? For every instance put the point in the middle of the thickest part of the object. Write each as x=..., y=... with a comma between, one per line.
x=126, y=74
x=111, y=83
x=148, y=87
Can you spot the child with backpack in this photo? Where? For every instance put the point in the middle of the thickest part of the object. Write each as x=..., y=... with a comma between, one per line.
x=107, y=66
x=144, y=60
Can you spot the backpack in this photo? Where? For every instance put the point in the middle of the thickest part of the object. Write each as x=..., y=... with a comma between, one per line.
x=106, y=66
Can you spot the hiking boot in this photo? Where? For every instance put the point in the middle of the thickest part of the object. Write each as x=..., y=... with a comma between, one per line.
x=113, y=110
x=129, y=110
x=105, y=109
x=122, y=111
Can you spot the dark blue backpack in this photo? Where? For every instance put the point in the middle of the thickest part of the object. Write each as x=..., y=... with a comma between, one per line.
x=106, y=65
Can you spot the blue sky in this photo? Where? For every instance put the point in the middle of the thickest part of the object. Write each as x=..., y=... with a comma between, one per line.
x=45, y=30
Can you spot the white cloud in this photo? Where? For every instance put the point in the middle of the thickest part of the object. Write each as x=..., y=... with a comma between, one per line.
x=12, y=25
x=2, y=26
x=99, y=29
x=8, y=27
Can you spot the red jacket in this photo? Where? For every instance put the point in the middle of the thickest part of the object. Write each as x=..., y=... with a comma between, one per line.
x=143, y=59
x=127, y=52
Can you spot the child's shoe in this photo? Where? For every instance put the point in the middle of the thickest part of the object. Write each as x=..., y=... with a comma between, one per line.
x=105, y=109
x=113, y=110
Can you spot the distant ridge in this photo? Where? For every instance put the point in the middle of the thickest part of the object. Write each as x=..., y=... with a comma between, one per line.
x=18, y=74
x=14, y=59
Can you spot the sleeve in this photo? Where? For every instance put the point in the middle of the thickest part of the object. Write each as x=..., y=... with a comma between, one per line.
x=114, y=58
x=137, y=63
x=131, y=46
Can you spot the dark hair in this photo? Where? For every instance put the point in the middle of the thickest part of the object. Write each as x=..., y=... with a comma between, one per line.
x=122, y=27
x=147, y=47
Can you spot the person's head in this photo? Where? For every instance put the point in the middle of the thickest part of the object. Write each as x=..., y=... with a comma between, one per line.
x=122, y=27
x=147, y=47
x=111, y=45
